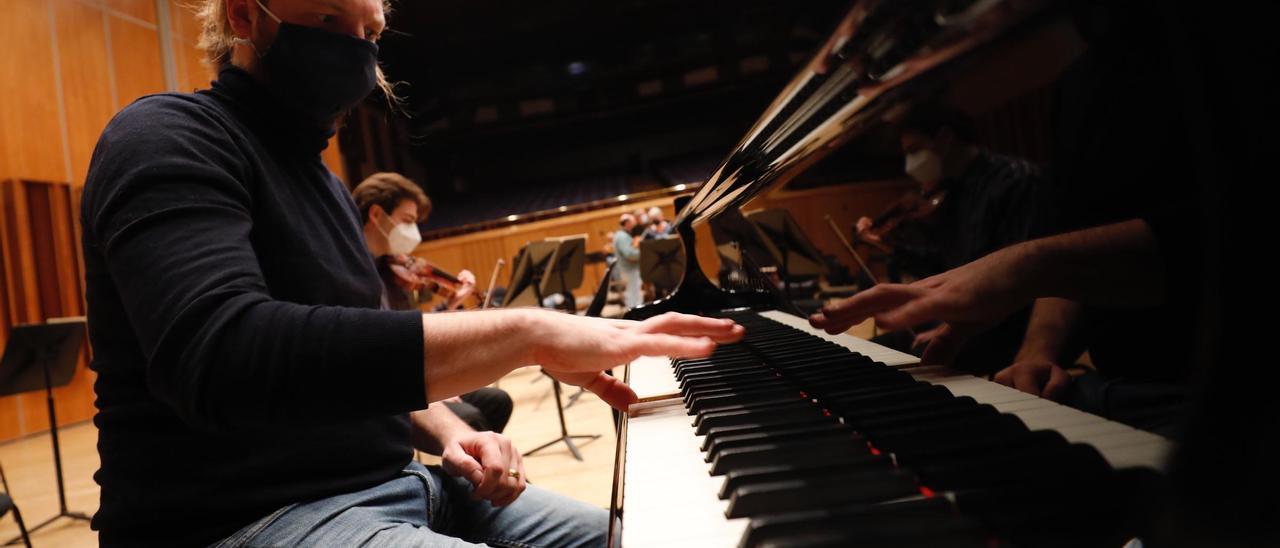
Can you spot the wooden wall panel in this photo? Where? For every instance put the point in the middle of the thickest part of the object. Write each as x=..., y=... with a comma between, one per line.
x=144, y=10
x=135, y=52
x=192, y=72
x=86, y=80
x=30, y=131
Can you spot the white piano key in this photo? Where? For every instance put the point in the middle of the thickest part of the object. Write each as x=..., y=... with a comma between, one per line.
x=1154, y=454
x=1082, y=433
x=1054, y=417
x=652, y=378
x=1024, y=405
x=669, y=498
x=984, y=391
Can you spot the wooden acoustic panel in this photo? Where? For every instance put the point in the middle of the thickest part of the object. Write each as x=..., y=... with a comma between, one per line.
x=135, y=52
x=30, y=132
x=142, y=10
x=43, y=277
x=86, y=80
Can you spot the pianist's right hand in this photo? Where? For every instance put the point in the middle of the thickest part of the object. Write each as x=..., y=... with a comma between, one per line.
x=465, y=351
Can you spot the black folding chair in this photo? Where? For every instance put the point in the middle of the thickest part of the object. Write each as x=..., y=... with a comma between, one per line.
x=6, y=504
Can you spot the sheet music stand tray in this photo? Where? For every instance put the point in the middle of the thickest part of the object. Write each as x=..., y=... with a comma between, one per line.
x=791, y=249
x=41, y=357
x=564, y=269
x=526, y=275
x=662, y=263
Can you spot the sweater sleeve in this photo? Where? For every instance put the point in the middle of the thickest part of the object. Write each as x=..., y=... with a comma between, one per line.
x=169, y=211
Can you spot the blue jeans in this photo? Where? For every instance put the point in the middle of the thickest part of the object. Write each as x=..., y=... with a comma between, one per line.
x=424, y=507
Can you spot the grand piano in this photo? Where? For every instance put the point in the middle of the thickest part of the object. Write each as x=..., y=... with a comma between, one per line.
x=794, y=437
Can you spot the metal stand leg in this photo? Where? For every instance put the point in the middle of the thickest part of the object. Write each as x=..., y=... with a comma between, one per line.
x=564, y=430
x=57, y=465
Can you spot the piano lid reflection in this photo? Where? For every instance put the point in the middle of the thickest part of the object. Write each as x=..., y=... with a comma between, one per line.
x=798, y=438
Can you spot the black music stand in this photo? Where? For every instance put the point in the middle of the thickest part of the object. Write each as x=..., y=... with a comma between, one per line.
x=735, y=238
x=562, y=274
x=40, y=357
x=564, y=269
x=662, y=264
x=792, y=251
x=526, y=276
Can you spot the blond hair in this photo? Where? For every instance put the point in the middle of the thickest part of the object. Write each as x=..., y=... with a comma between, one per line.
x=217, y=39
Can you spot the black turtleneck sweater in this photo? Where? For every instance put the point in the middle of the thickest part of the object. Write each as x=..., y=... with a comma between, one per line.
x=242, y=364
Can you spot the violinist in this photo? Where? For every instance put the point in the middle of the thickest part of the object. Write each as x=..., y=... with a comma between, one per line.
x=392, y=206
x=969, y=202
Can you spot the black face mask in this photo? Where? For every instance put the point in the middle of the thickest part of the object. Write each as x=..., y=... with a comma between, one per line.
x=318, y=73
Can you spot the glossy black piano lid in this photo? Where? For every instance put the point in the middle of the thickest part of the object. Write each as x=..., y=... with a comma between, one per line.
x=884, y=55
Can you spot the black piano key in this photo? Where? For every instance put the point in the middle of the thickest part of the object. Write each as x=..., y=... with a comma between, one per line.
x=737, y=385
x=763, y=405
x=767, y=528
x=941, y=411
x=693, y=379
x=976, y=443
x=798, y=409
x=893, y=410
x=829, y=379
x=847, y=382
x=764, y=378
x=773, y=436
x=821, y=364
x=769, y=454
x=700, y=402
x=926, y=416
x=1012, y=466
x=850, y=405
x=860, y=486
x=818, y=465
x=764, y=423
x=919, y=438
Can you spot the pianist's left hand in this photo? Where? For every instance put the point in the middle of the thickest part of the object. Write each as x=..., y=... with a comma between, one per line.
x=487, y=460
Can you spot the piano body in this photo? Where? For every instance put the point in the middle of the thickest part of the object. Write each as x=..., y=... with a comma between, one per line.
x=795, y=437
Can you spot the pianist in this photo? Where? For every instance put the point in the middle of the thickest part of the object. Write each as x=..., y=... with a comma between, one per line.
x=249, y=390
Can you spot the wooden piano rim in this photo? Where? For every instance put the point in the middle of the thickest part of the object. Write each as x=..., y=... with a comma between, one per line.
x=619, y=469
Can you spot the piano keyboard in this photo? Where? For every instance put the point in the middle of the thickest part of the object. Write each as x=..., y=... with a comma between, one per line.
x=789, y=440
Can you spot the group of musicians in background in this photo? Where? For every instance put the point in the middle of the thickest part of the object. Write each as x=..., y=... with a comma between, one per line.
x=250, y=317
x=624, y=249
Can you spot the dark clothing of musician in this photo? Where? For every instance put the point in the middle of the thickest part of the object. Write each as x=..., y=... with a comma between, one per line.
x=233, y=310
x=484, y=410
x=995, y=202
x=1122, y=161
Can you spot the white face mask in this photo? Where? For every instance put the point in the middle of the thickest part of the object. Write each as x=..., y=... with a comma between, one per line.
x=924, y=166
x=402, y=239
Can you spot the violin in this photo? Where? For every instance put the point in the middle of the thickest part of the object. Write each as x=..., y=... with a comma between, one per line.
x=912, y=207
x=417, y=274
